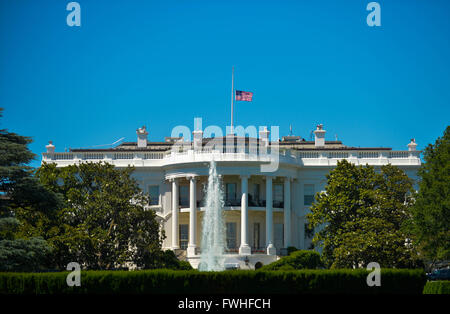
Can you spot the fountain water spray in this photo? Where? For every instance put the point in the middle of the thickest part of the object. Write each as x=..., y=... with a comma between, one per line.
x=213, y=227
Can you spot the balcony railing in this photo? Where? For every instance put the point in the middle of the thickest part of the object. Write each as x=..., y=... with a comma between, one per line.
x=258, y=250
x=183, y=202
x=312, y=157
x=232, y=202
x=232, y=250
x=254, y=203
x=257, y=203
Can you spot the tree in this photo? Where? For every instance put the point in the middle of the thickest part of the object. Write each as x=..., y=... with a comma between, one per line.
x=93, y=214
x=431, y=216
x=24, y=255
x=103, y=222
x=299, y=259
x=361, y=217
x=18, y=187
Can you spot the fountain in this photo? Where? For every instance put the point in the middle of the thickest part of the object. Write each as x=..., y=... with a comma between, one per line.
x=213, y=227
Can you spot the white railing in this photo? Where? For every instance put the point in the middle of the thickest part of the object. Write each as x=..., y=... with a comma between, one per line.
x=63, y=156
x=289, y=156
x=123, y=156
x=338, y=155
x=399, y=154
x=154, y=155
x=366, y=155
x=308, y=155
x=98, y=156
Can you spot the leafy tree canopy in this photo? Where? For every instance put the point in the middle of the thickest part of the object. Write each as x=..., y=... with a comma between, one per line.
x=102, y=222
x=431, y=215
x=18, y=188
x=361, y=217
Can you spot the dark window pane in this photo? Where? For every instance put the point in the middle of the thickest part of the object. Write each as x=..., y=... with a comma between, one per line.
x=231, y=235
x=184, y=236
x=154, y=194
x=308, y=194
x=184, y=195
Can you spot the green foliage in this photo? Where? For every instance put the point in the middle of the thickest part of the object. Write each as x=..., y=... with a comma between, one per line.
x=14, y=155
x=24, y=255
x=291, y=249
x=184, y=265
x=8, y=228
x=362, y=216
x=19, y=189
x=194, y=282
x=92, y=214
x=101, y=222
x=431, y=213
x=301, y=259
x=168, y=260
x=437, y=287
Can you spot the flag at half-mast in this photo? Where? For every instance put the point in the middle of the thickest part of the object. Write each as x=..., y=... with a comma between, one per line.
x=243, y=96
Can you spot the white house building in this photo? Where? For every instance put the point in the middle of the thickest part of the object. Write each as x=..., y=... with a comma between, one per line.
x=264, y=210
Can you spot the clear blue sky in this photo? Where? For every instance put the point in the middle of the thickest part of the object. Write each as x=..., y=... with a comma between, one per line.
x=162, y=63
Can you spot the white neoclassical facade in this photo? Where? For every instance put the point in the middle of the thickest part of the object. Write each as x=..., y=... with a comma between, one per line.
x=268, y=185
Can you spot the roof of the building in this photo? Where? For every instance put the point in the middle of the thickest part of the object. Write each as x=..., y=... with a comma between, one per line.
x=287, y=142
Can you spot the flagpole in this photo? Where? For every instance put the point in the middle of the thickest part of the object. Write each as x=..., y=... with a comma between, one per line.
x=232, y=98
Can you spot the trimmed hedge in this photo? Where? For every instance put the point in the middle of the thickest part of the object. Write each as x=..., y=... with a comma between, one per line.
x=300, y=259
x=437, y=287
x=397, y=281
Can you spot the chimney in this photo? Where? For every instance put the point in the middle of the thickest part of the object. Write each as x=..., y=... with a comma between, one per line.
x=264, y=135
x=142, y=137
x=50, y=147
x=412, y=145
x=319, y=133
x=198, y=139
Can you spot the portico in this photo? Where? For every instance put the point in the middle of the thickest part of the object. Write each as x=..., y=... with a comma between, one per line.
x=237, y=211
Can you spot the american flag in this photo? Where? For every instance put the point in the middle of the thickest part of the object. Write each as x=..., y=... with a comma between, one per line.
x=244, y=96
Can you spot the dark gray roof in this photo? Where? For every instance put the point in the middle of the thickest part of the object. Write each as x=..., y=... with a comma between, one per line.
x=286, y=144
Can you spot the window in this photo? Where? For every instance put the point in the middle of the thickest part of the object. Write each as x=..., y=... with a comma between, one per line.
x=254, y=198
x=231, y=191
x=278, y=235
x=308, y=194
x=278, y=195
x=183, y=195
x=153, y=190
x=231, y=235
x=184, y=236
x=256, y=189
x=256, y=228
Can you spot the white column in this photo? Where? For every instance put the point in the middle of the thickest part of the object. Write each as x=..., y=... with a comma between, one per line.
x=244, y=249
x=192, y=217
x=175, y=227
x=287, y=212
x=271, y=250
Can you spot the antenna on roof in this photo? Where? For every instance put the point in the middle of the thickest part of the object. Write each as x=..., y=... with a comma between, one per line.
x=290, y=130
x=120, y=139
